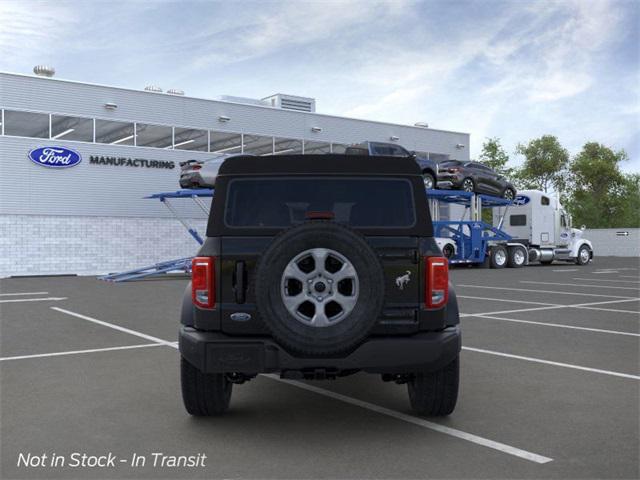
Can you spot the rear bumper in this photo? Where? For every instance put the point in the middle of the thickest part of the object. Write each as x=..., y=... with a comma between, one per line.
x=214, y=352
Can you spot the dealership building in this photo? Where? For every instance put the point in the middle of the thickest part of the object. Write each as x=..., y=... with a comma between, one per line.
x=91, y=217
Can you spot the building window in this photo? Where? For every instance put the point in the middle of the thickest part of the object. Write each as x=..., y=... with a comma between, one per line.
x=26, y=124
x=71, y=128
x=315, y=148
x=287, y=146
x=157, y=136
x=258, y=145
x=223, y=142
x=338, y=148
x=190, y=139
x=114, y=133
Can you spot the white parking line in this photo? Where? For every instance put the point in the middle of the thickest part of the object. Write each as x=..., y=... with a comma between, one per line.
x=509, y=301
x=77, y=352
x=558, y=325
x=604, y=280
x=567, y=270
x=588, y=306
x=469, y=437
x=605, y=272
x=532, y=290
x=628, y=276
x=48, y=299
x=23, y=293
x=115, y=327
x=581, y=285
x=556, y=364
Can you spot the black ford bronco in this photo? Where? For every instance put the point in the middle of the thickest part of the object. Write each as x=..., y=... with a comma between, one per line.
x=317, y=267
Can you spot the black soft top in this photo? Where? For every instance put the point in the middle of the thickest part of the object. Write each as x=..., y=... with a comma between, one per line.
x=319, y=164
x=322, y=165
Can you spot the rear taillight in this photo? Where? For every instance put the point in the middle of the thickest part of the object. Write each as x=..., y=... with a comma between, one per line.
x=454, y=170
x=196, y=167
x=203, y=285
x=436, y=281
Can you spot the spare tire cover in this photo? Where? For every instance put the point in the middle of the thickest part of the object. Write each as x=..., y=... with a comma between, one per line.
x=319, y=288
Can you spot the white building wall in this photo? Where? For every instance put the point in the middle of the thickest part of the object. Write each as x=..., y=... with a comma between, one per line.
x=612, y=242
x=93, y=219
x=55, y=245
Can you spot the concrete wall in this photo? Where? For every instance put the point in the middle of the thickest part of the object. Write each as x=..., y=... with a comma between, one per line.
x=612, y=241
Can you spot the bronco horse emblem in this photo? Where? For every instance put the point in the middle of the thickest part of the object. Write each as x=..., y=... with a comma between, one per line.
x=402, y=280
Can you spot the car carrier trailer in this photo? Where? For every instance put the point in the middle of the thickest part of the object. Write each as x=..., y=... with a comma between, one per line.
x=532, y=228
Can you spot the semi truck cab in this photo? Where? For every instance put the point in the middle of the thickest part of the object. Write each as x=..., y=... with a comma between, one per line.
x=538, y=221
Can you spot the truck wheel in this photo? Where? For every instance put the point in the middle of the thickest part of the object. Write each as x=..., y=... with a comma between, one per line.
x=204, y=394
x=435, y=393
x=584, y=255
x=319, y=288
x=498, y=256
x=429, y=181
x=517, y=257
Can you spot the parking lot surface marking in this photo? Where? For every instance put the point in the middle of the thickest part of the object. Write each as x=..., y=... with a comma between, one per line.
x=533, y=290
x=517, y=452
x=587, y=306
x=48, y=299
x=77, y=352
x=581, y=285
x=549, y=362
x=567, y=270
x=604, y=280
x=23, y=293
x=510, y=301
x=115, y=327
x=559, y=325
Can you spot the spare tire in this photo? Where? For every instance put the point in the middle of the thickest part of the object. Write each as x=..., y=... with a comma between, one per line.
x=319, y=288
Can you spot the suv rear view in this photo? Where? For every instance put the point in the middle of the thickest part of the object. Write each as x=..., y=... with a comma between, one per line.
x=317, y=267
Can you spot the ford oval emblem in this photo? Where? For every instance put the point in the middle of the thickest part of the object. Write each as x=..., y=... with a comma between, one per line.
x=521, y=200
x=55, y=157
x=240, y=317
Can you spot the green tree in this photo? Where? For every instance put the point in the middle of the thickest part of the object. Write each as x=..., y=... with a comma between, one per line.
x=494, y=156
x=600, y=195
x=545, y=164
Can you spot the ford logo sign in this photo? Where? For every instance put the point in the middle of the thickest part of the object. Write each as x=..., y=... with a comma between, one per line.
x=55, y=157
x=521, y=200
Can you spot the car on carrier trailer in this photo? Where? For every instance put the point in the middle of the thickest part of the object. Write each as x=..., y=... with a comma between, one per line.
x=318, y=267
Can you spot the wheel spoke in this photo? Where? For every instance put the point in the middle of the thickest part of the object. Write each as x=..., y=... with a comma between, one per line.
x=319, y=257
x=347, y=302
x=346, y=271
x=320, y=318
x=293, y=271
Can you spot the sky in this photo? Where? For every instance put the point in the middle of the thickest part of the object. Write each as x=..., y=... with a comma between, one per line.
x=509, y=69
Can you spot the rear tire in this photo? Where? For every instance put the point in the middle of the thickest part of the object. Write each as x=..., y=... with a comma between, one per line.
x=468, y=185
x=509, y=194
x=517, y=257
x=498, y=256
x=435, y=393
x=204, y=394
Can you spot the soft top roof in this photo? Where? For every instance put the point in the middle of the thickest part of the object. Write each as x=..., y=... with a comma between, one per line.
x=319, y=164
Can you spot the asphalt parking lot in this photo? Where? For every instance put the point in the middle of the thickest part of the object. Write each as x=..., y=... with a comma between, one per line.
x=549, y=389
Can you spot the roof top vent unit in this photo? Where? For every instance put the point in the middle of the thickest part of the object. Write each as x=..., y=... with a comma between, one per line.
x=244, y=100
x=44, y=71
x=153, y=88
x=175, y=91
x=291, y=102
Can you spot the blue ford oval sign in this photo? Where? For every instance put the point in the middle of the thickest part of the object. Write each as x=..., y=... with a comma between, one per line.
x=55, y=157
x=521, y=200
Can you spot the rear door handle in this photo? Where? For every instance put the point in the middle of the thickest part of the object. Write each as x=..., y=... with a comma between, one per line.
x=240, y=282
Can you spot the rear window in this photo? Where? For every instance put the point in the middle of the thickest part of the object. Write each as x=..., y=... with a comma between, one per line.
x=282, y=202
x=518, y=220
